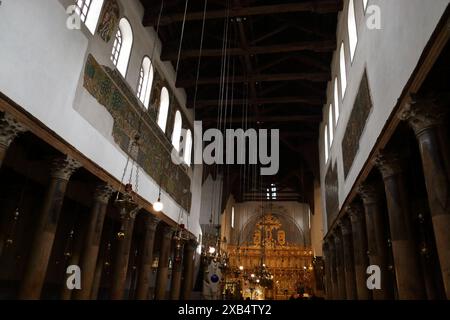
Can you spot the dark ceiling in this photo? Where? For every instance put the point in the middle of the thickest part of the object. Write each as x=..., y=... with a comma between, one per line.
x=274, y=74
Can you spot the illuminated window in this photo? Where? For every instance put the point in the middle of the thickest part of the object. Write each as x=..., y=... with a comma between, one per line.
x=272, y=192
x=343, y=71
x=326, y=147
x=123, y=42
x=352, y=31
x=232, y=217
x=145, y=82
x=89, y=12
x=188, y=148
x=176, y=134
x=365, y=4
x=336, y=101
x=330, y=123
x=163, y=109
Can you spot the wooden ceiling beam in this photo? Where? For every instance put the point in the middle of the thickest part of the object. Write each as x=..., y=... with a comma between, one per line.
x=314, y=101
x=316, y=6
x=279, y=119
x=315, y=46
x=313, y=77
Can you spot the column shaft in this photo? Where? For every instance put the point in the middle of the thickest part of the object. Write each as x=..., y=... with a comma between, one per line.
x=188, y=270
x=328, y=280
x=342, y=294
x=425, y=117
x=376, y=239
x=41, y=247
x=146, y=258
x=175, y=284
x=92, y=240
x=163, y=265
x=120, y=267
x=349, y=264
x=334, y=277
x=359, y=250
x=407, y=268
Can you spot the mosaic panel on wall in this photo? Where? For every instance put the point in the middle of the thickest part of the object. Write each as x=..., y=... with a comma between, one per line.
x=332, y=193
x=110, y=90
x=356, y=124
x=109, y=20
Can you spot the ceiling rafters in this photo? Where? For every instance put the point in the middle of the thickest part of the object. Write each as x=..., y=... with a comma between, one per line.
x=316, y=6
x=314, y=46
x=313, y=101
x=252, y=78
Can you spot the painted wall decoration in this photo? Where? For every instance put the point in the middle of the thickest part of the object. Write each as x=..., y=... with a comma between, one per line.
x=356, y=124
x=109, y=20
x=111, y=91
x=332, y=193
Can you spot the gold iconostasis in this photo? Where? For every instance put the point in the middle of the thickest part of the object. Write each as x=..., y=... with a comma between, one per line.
x=269, y=267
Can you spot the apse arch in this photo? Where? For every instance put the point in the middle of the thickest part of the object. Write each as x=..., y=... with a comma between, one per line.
x=245, y=235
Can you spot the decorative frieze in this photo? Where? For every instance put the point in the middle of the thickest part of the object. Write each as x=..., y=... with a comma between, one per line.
x=360, y=113
x=154, y=155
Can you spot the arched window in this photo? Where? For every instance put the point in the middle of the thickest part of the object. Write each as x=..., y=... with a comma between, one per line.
x=89, y=12
x=352, y=31
x=343, y=69
x=145, y=81
x=188, y=148
x=122, y=46
x=365, y=4
x=176, y=134
x=325, y=135
x=336, y=101
x=330, y=124
x=163, y=109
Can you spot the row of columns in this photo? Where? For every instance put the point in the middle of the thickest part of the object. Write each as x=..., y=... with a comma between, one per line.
x=349, y=253
x=87, y=250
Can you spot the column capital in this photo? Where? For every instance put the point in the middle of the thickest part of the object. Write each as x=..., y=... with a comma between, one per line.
x=63, y=167
x=345, y=225
x=167, y=232
x=337, y=235
x=423, y=114
x=103, y=193
x=151, y=222
x=369, y=193
x=9, y=129
x=389, y=164
x=355, y=212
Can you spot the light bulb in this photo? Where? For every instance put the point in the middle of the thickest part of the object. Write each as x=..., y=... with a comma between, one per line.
x=158, y=206
x=212, y=250
x=241, y=268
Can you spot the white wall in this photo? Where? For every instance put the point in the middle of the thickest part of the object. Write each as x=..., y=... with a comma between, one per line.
x=390, y=55
x=41, y=69
x=246, y=212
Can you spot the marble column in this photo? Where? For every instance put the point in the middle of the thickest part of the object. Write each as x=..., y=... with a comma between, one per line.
x=425, y=117
x=349, y=264
x=146, y=257
x=122, y=257
x=406, y=262
x=356, y=213
x=92, y=240
x=34, y=276
x=376, y=238
x=97, y=278
x=177, y=268
x=74, y=260
x=9, y=130
x=334, y=276
x=163, y=264
x=187, y=283
x=328, y=281
x=342, y=294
